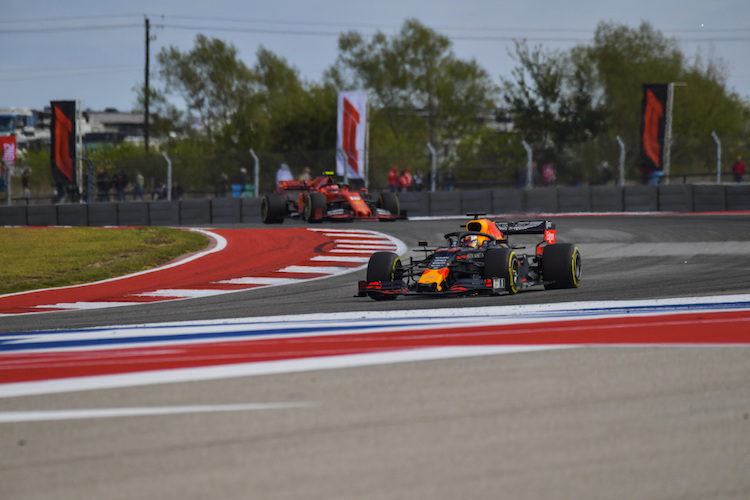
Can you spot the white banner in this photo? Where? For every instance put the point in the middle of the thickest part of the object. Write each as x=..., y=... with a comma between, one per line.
x=352, y=132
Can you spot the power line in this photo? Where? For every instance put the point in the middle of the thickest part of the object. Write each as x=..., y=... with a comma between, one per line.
x=502, y=29
x=53, y=29
x=47, y=73
x=58, y=19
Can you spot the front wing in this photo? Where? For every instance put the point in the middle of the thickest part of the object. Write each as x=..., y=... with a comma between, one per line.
x=489, y=286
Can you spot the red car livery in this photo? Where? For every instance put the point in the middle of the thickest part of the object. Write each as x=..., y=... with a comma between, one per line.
x=324, y=199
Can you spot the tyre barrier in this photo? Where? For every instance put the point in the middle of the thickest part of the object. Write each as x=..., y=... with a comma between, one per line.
x=548, y=200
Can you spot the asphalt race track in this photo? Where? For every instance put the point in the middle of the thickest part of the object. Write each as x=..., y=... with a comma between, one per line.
x=629, y=420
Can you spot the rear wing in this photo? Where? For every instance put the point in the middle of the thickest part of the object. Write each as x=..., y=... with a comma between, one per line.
x=525, y=226
x=282, y=186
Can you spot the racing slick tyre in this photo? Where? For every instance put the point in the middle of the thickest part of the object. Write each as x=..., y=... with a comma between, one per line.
x=561, y=265
x=273, y=209
x=503, y=263
x=315, y=207
x=389, y=202
x=383, y=266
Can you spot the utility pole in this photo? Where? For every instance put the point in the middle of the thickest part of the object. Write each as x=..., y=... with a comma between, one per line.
x=146, y=88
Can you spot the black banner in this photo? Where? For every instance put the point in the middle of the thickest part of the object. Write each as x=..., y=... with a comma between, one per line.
x=653, y=126
x=63, y=132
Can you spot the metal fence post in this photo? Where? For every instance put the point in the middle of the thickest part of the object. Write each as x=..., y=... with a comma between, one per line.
x=718, y=157
x=529, y=160
x=433, y=167
x=7, y=179
x=89, y=179
x=256, y=173
x=169, y=176
x=622, y=160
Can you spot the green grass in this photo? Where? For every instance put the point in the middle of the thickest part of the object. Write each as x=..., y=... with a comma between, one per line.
x=33, y=258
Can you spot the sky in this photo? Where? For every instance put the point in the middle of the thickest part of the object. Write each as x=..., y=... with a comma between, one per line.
x=93, y=51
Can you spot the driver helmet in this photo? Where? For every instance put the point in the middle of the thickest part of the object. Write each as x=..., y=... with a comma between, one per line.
x=471, y=241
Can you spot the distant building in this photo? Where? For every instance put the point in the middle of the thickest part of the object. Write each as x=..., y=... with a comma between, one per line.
x=111, y=127
x=98, y=128
x=27, y=125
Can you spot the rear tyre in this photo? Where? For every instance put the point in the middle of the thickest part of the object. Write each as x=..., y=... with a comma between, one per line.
x=315, y=207
x=503, y=263
x=561, y=265
x=273, y=209
x=384, y=266
x=389, y=202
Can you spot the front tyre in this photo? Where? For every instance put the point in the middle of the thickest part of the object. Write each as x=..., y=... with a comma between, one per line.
x=389, y=202
x=384, y=266
x=273, y=209
x=314, y=208
x=503, y=263
x=561, y=266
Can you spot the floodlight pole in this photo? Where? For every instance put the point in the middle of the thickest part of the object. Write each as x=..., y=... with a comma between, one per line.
x=146, y=89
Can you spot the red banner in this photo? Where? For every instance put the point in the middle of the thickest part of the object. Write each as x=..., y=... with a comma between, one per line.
x=63, y=136
x=653, y=126
x=352, y=131
x=8, y=149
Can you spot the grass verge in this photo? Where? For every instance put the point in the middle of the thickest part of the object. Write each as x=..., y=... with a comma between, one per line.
x=46, y=257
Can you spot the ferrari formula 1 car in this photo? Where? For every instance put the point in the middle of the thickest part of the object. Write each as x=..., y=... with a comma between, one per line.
x=478, y=260
x=324, y=199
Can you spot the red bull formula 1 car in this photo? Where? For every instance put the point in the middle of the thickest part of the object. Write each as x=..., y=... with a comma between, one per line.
x=478, y=260
x=324, y=199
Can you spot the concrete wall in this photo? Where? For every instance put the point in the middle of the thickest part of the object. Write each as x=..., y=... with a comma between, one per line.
x=738, y=197
x=598, y=199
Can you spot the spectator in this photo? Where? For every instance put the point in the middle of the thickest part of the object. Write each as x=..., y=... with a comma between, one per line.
x=242, y=181
x=139, y=185
x=161, y=192
x=738, y=169
x=656, y=176
x=549, y=176
x=520, y=175
x=645, y=172
x=177, y=192
x=605, y=175
x=284, y=174
x=103, y=183
x=120, y=183
x=405, y=180
x=449, y=179
x=418, y=180
x=305, y=175
x=223, y=185
x=25, y=184
x=393, y=179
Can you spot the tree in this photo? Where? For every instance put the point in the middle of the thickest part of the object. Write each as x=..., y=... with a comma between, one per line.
x=210, y=78
x=574, y=104
x=623, y=59
x=420, y=91
x=165, y=118
x=293, y=115
x=554, y=104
